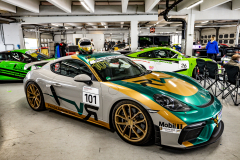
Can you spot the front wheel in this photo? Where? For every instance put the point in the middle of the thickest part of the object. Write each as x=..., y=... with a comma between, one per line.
x=35, y=97
x=132, y=123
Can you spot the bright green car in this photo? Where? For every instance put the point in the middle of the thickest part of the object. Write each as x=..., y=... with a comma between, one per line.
x=165, y=59
x=12, y=63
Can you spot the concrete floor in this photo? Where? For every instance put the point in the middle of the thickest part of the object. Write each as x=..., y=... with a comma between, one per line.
x=26, y=134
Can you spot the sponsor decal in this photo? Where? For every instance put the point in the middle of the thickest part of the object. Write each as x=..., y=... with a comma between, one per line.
x=170, y=127
x=145, y=82
x=151, y=67
x=105, y=58
x=101, y=65
x=57, y=67
x=218, y=118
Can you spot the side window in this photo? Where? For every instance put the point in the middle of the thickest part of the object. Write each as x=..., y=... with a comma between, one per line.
x=3, y=56
x=70, y=68
x=146, y=54
x=160, y=53
x=172, y=54
x=165, y=54
x=16, y=56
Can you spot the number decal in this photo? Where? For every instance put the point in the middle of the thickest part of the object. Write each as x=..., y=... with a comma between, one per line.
x=91, y=96
x=183, y=64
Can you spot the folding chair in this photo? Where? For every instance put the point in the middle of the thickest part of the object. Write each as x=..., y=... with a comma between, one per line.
x=200, y=71
x=212, y=72
x=232, y=77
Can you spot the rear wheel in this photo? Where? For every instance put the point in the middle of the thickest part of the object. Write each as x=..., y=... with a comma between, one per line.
x=194, y=74
x=35, y=97
x=132, y=123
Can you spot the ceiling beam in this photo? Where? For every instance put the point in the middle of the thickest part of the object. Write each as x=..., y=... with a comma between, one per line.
x=7, y=7
x=87, y=19
x=90, y=5
x=208, y=4
x=186, y=4
x=124, y=6
x=30, y=5
x=150, y=4
x=235, y=4
x=65, y=5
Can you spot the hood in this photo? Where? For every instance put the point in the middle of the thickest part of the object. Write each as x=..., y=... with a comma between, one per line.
x=183, y=88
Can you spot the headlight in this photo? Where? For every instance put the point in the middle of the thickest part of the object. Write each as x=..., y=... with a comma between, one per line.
x=170, y=103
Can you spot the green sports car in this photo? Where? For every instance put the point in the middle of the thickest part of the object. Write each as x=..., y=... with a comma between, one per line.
x=12, y=63
x=165, y=59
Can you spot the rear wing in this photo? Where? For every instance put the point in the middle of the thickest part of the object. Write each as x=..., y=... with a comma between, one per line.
x=35, y=65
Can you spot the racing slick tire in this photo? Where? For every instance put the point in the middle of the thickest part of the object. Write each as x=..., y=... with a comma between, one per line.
x=35, y=97
x=132, y=123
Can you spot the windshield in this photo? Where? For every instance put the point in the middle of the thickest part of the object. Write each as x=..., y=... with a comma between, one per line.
x=118, y=69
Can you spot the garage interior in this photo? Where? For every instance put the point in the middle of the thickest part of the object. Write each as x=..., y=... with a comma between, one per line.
x=27, y=134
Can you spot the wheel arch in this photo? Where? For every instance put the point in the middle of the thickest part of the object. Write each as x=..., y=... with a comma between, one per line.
x=115, y=103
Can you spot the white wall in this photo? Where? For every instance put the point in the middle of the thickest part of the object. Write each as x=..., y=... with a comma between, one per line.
x=13, y=35
x=222, y=31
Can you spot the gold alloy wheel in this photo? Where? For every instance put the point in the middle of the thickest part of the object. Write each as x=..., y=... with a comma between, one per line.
x=33, y=96
x=131, y=123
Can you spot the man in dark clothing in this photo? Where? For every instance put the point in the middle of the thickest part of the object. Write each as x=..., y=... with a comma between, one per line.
x=212, y=49
x=235, y=61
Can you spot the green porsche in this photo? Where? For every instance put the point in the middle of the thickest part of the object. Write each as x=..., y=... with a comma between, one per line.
x=165, y=59
x=12, y=63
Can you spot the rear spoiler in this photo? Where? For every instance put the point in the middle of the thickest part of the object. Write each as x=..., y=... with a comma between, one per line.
x=35, y=65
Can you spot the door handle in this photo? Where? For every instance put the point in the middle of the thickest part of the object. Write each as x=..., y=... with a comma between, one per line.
x=57, y=85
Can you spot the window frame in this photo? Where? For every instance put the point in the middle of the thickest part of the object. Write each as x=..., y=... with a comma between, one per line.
x=93, y=78
x=153, y=55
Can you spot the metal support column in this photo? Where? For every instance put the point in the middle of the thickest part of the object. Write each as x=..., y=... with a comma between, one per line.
x=237, y=35
x=217, y=33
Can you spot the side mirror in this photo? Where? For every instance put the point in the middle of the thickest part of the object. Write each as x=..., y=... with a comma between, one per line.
x=83, y=78
x=179, y=57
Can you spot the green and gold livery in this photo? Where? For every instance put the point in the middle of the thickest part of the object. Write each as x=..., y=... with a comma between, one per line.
x=171, y=108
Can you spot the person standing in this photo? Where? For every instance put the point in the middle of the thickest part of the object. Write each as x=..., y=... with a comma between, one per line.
x=212, y=49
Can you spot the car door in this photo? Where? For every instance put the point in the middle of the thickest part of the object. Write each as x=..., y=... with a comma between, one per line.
x=146, y=59
x=75, y=96
x=167, y=61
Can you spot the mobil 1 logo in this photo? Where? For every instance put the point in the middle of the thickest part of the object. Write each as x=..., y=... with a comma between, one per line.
x=170, y=128
x=91, y=96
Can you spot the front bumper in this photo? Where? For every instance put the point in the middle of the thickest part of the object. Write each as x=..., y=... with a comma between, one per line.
x=216, y=134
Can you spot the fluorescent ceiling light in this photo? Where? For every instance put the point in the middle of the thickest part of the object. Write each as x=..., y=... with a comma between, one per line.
x=54, y=24
x=205, y=22
x=195, y=4
x=66, y=27
x=85, y=6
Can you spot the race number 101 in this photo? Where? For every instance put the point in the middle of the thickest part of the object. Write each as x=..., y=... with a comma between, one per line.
x=91, y=99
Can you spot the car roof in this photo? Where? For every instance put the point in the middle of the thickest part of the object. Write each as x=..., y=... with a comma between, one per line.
x=96, y=55
x=21, y=50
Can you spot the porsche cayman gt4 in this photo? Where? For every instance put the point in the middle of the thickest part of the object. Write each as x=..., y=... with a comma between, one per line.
x=111, y=90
